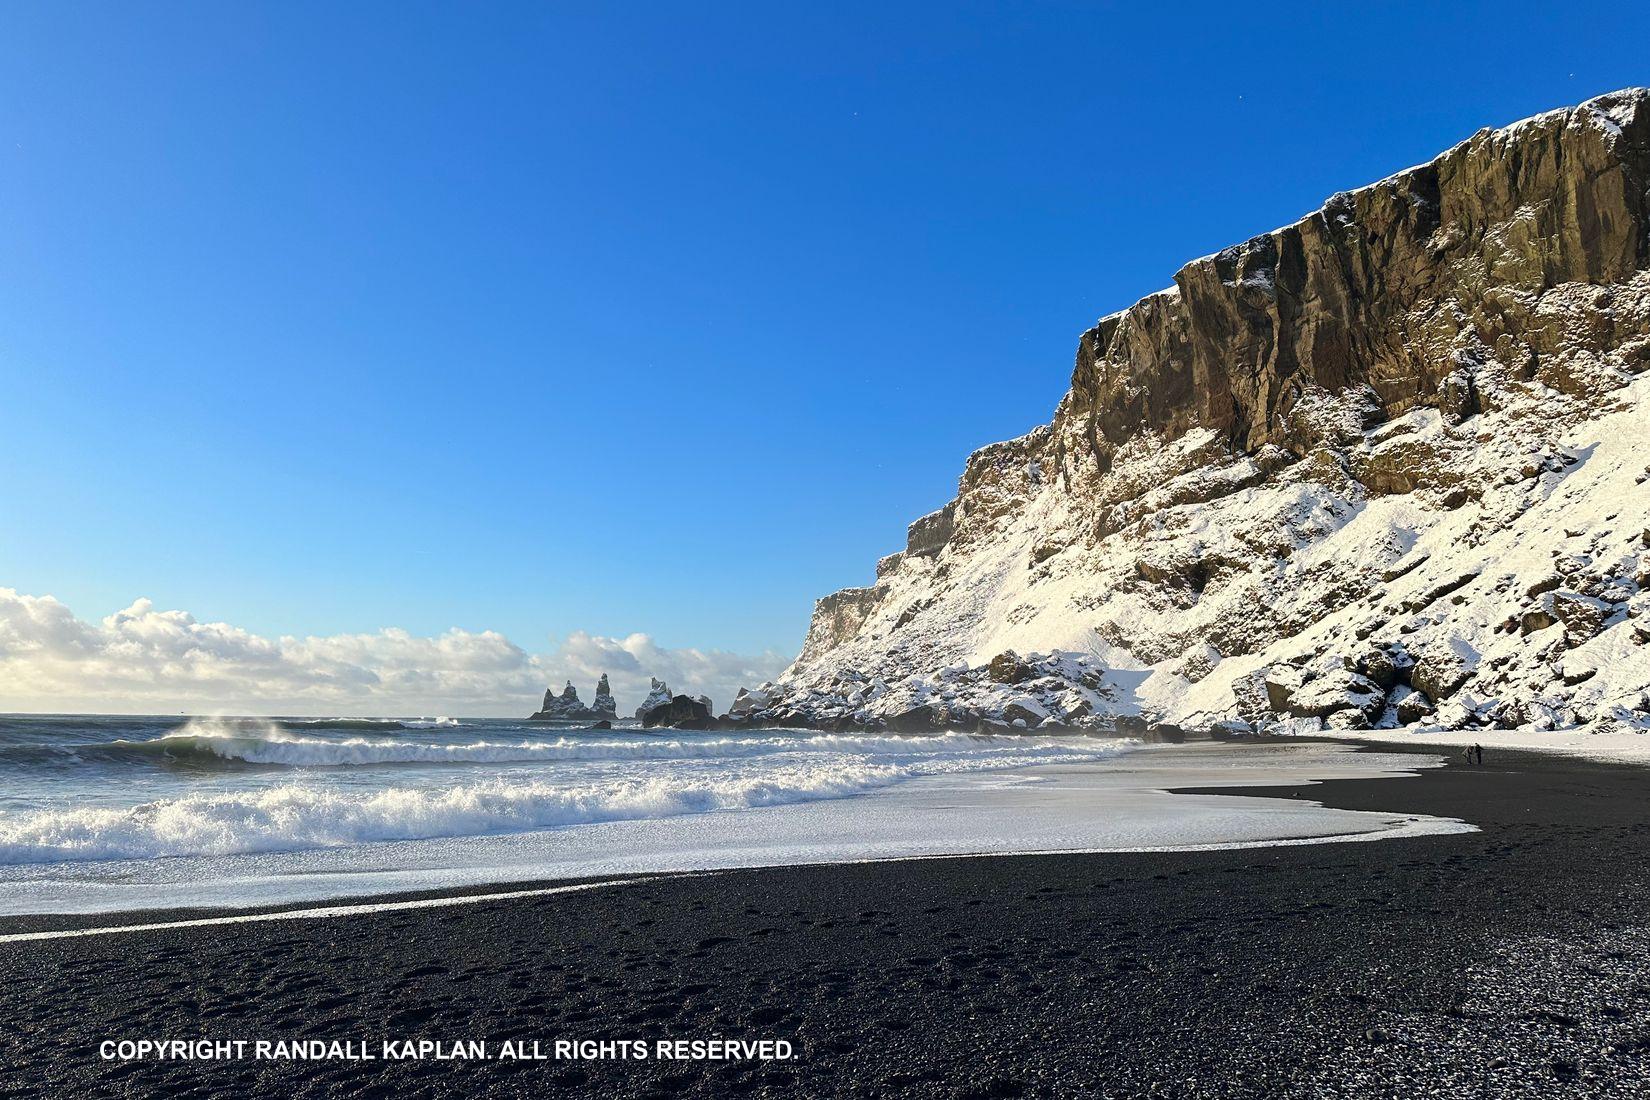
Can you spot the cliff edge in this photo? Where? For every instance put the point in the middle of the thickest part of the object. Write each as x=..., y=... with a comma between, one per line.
x=1384, y=466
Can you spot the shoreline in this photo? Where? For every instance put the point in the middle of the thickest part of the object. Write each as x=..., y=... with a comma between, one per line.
x=43, y=926
x=1152, y=796
x=1285, y=970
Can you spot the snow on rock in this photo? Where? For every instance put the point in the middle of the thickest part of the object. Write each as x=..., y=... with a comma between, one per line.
x=604, y=703
x=749, y=702
x=1056, y=690
x=1388, y=466
x=567, y=706
x=658, y=695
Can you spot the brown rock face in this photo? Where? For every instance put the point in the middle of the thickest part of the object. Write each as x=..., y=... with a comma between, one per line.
x=1332, y=300
x=1007, y=668
x=838, y=617
x=928, y=534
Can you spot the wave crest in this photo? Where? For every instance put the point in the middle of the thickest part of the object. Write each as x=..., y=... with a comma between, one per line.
x=206, y=743
x=298, y=816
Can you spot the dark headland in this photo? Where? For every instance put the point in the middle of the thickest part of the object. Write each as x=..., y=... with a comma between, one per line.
x=1510, y=962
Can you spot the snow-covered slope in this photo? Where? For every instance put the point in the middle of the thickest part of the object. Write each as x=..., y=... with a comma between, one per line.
x=1386, y=466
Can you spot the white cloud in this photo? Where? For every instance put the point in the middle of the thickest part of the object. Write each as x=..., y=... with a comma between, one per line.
x=142, y=659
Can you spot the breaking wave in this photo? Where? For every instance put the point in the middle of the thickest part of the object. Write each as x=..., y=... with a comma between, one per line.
x=376, y=725
x=205, y=744
x=295, y=816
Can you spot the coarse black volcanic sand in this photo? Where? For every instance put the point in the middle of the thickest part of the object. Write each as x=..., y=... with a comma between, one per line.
x=1510, y=962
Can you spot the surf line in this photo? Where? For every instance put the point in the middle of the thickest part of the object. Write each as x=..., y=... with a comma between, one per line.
x=1409, y=826
x=327, y=911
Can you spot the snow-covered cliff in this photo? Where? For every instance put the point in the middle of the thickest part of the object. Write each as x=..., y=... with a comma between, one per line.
x=1387, y=465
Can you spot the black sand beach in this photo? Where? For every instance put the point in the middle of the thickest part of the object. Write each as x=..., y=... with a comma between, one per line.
x=1510, y=962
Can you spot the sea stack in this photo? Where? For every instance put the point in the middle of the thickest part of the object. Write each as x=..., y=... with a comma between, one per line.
x=604, y=703
x=567, y=706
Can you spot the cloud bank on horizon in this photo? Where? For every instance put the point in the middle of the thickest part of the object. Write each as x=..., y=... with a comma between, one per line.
x=142, y=659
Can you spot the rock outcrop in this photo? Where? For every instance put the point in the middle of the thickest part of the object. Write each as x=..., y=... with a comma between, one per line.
x=604, y=703
x=566, y=707
x=1387, y=465
x=750, y=702
x=658, y=694
x=681, y=712
x=1038, y=691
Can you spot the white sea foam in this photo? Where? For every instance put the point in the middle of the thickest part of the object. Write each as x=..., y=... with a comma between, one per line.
x=303, y=815
x=1113, y=805
x=269, y=744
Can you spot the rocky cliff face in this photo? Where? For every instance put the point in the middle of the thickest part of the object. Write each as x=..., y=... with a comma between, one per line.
x=1386, y=465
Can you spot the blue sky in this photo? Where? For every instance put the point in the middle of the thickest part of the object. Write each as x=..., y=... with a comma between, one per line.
x=612, y=318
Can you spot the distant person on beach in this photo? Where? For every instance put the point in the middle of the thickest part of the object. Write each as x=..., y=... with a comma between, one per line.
x=1478, y=752
x=1466, y=754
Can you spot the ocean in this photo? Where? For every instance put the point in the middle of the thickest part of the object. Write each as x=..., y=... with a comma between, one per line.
x=97, y=788
x=101, y=813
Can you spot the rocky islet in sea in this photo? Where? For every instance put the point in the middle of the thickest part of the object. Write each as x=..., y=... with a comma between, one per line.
x=567, y=707
x=660, y=708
